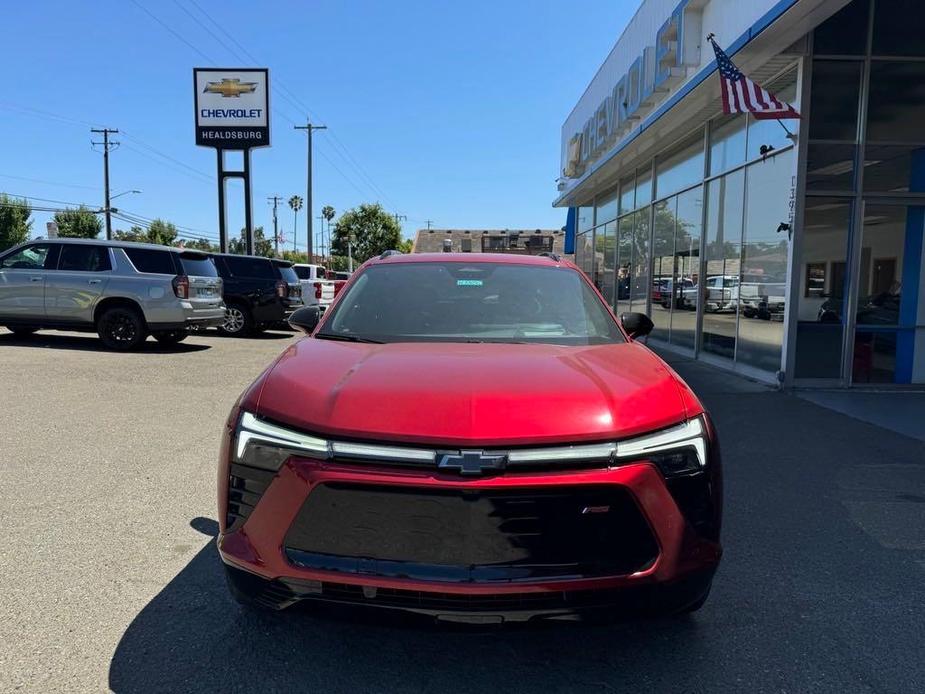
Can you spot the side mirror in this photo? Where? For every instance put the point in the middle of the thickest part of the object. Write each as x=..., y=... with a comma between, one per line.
x=305, y=319
x=637, y=324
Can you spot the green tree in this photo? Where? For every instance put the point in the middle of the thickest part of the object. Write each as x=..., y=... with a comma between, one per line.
x=295, y=256
x=15, y=222
x=262, y=245
x=406, y=245
x=161, y=232
x=372, y=229
x=136, y=234
x=80, y=223
x=202, y=245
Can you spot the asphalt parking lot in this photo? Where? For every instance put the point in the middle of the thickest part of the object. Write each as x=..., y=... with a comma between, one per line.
x=110, y=578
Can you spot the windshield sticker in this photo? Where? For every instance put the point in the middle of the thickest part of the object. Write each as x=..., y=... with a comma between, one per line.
x=468, y=283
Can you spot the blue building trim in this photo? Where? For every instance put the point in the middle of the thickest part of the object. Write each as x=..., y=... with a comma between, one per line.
x=763, y=23
x=571, y=222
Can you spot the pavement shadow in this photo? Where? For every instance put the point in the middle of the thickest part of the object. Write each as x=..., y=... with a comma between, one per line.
x=192, y=637
x=91, y=343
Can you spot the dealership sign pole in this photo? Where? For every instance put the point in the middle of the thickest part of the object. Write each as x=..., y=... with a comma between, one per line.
x=232, y=113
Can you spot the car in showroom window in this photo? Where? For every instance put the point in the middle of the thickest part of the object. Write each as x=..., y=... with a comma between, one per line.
x=470, y=437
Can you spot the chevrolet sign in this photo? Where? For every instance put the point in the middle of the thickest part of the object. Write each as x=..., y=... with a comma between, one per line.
x=232, y=107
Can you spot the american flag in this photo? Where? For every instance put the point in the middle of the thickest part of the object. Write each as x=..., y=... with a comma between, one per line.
x=741, y=95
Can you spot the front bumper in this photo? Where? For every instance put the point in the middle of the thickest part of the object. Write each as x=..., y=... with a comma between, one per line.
x=257, y=530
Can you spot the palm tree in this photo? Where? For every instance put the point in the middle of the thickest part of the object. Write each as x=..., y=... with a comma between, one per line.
x=327, y=212
x=295, y=202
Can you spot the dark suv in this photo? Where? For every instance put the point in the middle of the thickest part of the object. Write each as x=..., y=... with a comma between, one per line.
x=259, y=292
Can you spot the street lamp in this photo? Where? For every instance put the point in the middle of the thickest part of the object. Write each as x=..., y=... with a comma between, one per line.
x=125, y=192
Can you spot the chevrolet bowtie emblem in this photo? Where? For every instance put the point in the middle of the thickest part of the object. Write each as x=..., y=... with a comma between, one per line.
x=471, y=462
x=230, y=87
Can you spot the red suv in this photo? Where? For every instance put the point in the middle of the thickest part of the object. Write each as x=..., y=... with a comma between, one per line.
x=473, y=437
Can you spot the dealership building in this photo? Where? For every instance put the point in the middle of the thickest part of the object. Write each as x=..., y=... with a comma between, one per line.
x=788, y=251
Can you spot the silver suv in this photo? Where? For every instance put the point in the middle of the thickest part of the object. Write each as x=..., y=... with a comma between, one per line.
x=123, y=291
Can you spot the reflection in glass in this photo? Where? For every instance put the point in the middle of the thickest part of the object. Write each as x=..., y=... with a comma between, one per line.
x=663, y=267
x=894, y=168
x=585, y=218
x=606, y=245
x=644, y=186
x=845, y=32
x=769, y=133
x=624, y=262
x=834, y=102
x=820, y=319
x=762, y=289
x=686, y=285
x=639, y=282
x=606, y=208
x=898, y=28
x=727, y=143
x=627, y=194
x=584, y=255
x=725, y=197
x=830, y=167
x=896, y=116
x=681, y=168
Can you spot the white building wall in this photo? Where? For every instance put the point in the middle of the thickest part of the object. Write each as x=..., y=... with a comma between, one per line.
x=728, y=19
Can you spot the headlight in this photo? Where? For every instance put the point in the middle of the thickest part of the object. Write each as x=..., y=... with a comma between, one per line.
x=678, y=450
x=264, y=445
x=268, y=446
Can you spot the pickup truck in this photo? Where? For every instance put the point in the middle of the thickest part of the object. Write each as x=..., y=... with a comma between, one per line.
x=317, y=285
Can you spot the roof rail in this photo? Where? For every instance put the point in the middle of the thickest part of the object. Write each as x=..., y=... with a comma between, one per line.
x=388, y=253
x=554, y=256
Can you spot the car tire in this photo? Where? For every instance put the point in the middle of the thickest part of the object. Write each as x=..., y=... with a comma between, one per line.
x=121, y=328
x=21, y=330
x=238, y=321
x=171, y=337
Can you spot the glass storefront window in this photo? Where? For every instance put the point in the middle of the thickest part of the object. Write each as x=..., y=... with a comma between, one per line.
x=725, y=199
x=830, y=167
x=680, y=168
x=727, y=143
x=845, y=32
x=585, y=218
x=820, y=319
x=605, y=243
x=687, y=268
x=896, y=104
x=898, y=27
x=763, y=284
x=663, y=270
x=643, y=186
x=624, y=262
x=769, y=133
x=627, y=194
x=894, y=168
x=606, y=208
x=639, y=285
x=584, y=252
x=836, y=90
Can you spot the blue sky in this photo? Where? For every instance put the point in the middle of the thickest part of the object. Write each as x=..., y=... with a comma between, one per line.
x=442, y=111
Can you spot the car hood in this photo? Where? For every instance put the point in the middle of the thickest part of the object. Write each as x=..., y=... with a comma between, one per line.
x=472, y=394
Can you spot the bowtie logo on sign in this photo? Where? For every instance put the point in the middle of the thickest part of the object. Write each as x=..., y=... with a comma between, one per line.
x=230, y=87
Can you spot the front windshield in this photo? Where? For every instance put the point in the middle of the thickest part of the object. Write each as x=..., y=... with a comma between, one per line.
x=471, y=302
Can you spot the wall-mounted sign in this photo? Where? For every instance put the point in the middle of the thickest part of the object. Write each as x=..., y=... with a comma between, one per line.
x=652, y=75
x=232, y=107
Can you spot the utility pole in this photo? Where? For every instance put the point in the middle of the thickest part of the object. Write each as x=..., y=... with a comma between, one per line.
x=309, y=129
x=399, y=218
x=429, y=222
x=323, y=246
x=275, y=200
x=106, y=147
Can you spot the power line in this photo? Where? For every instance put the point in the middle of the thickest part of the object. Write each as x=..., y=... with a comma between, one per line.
x=168, y=28
x=49, y=183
